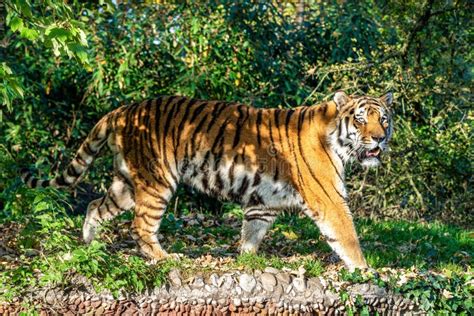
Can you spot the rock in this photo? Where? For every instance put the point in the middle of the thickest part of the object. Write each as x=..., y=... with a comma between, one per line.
x=175, y=278
x=237, y=302
x=247, y=282
x=268, y=281
x=214, y=280
x=299, y=284
x=227, y=281
x=271, y=270
x=100, y=310
x=198, y=283
x=284, y=278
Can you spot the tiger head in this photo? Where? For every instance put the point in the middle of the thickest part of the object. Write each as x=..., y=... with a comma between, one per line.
x=364, y=127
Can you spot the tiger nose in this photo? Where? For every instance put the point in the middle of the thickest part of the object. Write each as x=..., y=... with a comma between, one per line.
x=378, y=139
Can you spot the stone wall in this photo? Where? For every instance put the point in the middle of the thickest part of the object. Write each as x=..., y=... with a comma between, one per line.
x=268, y=292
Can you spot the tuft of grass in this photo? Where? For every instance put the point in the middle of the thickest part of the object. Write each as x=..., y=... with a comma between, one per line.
x=260, y=262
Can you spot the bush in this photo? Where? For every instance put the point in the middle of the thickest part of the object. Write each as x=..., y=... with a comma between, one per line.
x=259, y=54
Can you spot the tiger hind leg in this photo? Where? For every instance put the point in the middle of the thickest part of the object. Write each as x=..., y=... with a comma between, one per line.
x=150, y=207
x=119, y=198
x=257, y=221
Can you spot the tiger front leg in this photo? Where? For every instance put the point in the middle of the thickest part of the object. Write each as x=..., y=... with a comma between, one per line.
x=337, y=226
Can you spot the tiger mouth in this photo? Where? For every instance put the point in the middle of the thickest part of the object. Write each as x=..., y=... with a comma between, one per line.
x=370, y=153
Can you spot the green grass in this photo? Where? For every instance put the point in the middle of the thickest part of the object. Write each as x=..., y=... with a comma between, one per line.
x=48, y=250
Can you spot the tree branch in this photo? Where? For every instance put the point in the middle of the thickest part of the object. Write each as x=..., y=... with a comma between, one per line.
x=420, y=24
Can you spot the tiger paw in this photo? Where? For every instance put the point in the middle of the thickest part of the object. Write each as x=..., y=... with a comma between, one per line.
x=165, y=256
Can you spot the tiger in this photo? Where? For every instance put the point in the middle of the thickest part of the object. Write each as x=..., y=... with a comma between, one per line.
x=266, y=159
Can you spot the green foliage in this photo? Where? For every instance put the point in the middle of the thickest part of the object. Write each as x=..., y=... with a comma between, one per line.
x=258, y=54
x=51, y=23
x=65, y=64
x=435, y=293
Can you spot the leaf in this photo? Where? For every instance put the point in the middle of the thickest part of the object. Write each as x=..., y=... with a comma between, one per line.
x=16, y=87
x=16, y=24
x=58, y=33
x=30, y=34
x=290, y=235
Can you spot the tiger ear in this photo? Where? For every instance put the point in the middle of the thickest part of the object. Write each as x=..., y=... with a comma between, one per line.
x=341, y=99
x=387, y=98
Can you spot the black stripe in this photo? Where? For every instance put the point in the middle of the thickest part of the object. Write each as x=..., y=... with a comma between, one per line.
x=238, y=127
x=289, y=113
x=276, y=115
x=338, y=193
x=71, y=171
x=124, y=178
x=153, y=194
x=87, y=149
x=243, y=186
x=255, y=199
x=220, y=135
x=108, y=210
x=199, y=127
x=60, y=180
x=146, y=122
x=170, y=116
x=27, y=177
x=152, y=205
x=146, y=231
x=115, y=203
x=256, y=218
x=137, y=137
x=81, y=160
x=177, y=132
x=164, y=155
x=309, y=168
x=256, y=179
x=276, y=175
x=144, y=218
x=183, y=121
x=259, y=213
x=198, y=111
x=231, y=172
x=152, y=143
x=34, y=182
x=301, y=120
x=259, y=122
x=155, y=217
x=157, y=119
x=287, y=126
x=161, y=110
x=324, y=107
x=99, y=206
x=219, y=182
x=218, y=109
x=332, y=162
x=129, y=123
x=347, y=125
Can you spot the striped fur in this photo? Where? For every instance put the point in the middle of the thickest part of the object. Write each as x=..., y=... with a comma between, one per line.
x=268, y=160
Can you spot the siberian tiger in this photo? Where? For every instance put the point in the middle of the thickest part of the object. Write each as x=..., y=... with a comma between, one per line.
x=268, y=160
